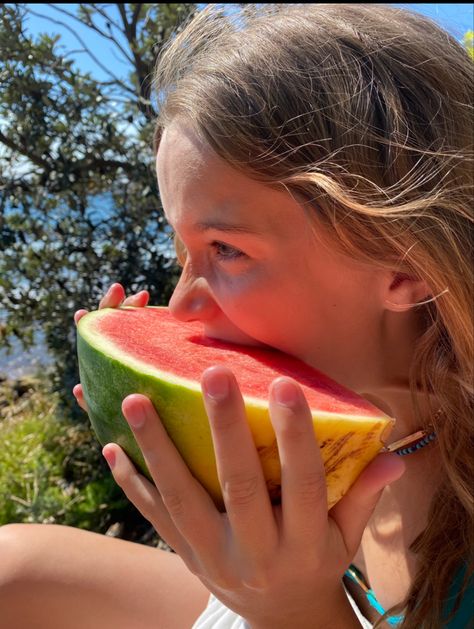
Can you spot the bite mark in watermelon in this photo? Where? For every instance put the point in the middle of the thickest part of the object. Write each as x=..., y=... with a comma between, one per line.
x=145, y=350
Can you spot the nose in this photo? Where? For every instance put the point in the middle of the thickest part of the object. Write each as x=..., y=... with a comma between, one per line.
x=192, y=299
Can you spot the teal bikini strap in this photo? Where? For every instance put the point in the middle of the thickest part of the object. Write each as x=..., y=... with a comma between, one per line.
x=463, y=618
x=357, y=577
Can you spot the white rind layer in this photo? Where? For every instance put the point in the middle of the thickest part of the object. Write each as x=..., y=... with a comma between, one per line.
x=86, y=329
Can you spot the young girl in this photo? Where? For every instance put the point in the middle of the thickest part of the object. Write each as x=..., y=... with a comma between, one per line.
x=315, y=163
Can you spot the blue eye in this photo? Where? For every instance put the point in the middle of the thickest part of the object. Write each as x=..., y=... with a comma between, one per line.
x=226, y=252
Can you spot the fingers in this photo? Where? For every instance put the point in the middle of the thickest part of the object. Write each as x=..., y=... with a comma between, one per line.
x=240, y=474
x=189, y=506
x=143, y=495
x=78, y=315
x=113, y=297
x=304, y=495
x=353, y=511
x=79, y=395
x=140, y=300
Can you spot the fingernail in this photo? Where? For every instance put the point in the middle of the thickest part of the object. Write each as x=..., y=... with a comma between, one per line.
x=285, y=392
x=137, y=417
x=216, y=385
x=109, y=456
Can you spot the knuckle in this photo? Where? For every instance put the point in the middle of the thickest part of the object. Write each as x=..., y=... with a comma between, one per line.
x=216, y=578
x=126, y=475
x=173, y=502
x=129, y=483
x=240, y=491
x=123, y=478
x=312, y=488
x=259, y=579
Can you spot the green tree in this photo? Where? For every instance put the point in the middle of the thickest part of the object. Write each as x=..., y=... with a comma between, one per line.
x=79, y=206
x=468, y=42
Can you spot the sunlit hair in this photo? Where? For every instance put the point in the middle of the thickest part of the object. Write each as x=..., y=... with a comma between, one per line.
x=363, y=112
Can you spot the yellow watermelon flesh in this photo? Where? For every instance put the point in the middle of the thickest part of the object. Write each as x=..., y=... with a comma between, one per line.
x=145, y=350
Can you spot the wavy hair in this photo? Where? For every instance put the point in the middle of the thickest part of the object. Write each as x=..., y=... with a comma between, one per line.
x=364, y=112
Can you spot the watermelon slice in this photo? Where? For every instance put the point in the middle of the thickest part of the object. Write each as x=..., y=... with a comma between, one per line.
x=145, y=350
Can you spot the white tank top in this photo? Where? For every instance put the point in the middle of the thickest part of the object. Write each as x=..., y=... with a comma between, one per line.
x=218, y=616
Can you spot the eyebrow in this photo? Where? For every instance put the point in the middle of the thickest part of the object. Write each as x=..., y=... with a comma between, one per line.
x=225, y=227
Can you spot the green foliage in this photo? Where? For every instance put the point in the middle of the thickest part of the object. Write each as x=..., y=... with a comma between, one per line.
x=79, y=206
x=468, y=42
x=51, y=469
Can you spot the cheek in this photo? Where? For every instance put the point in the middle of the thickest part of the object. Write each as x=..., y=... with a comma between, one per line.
x=266, y=316
x=233, y=290
x=246, y=302
x=276, y=305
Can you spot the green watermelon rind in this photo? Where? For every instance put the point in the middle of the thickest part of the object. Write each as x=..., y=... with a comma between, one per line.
x=107, y=382
x=86, y=333
x=108, y=375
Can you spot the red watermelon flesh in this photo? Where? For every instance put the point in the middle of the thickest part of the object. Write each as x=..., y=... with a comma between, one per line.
x=156, y=338
x=146, y=350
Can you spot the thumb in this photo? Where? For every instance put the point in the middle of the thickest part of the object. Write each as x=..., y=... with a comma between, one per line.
x=353, y=511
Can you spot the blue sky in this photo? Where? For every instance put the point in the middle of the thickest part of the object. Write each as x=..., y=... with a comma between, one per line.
x=457, y=18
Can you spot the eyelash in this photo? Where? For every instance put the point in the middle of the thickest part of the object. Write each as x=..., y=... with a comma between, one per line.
x=232, y=252
x=231, y=255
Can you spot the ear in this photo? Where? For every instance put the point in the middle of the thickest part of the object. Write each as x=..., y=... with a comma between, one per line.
x=404, y=291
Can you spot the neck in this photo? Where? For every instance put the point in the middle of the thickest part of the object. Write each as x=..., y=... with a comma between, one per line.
x=389, y=389
x=397, y=402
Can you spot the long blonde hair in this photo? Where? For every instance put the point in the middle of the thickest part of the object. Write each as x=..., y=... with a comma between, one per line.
x=365, y=112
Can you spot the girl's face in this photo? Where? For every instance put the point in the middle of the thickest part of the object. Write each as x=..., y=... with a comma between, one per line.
x=256, y=272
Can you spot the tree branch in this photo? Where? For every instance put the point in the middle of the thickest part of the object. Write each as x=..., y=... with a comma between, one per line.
x=123, y=15
x=94, y=27
x=135, y=17
x=23, y=150
x=141, y=68
x=105, y=15
x=77, y=168
x=80, y=40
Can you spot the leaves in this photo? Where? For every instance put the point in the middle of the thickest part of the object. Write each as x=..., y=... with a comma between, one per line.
x=468, y=42
x=52, y=470
x=79, y=206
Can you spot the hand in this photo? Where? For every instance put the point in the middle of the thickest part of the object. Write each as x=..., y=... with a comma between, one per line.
x=114, y=298
x=277, y=566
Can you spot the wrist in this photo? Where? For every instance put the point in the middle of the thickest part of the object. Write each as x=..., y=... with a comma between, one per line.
x=337, y=613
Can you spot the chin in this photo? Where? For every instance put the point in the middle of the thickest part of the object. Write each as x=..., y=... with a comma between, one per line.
x=338, y=375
